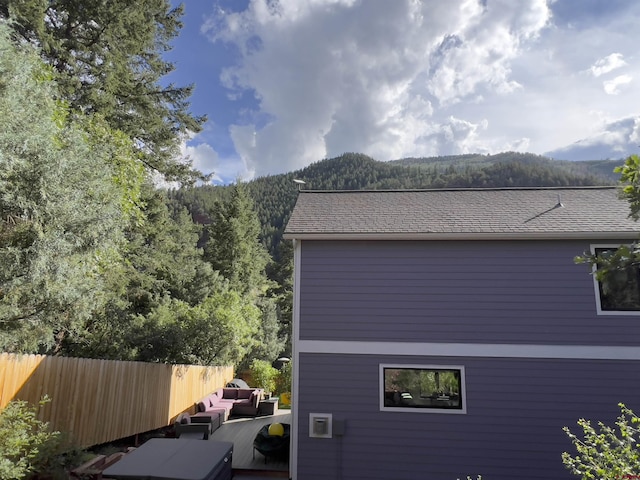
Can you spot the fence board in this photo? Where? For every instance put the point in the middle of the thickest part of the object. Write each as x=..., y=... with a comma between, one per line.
x=98, y=401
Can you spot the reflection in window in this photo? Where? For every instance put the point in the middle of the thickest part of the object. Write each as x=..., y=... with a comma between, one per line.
x=417, y=387
x=620, y=290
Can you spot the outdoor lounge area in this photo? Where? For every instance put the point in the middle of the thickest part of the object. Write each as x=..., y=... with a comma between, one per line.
x=225, y=402
x=242, y=432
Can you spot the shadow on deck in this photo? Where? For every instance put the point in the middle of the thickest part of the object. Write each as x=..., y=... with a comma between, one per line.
x=241, y=432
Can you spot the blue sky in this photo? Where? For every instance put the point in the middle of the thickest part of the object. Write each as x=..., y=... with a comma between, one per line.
x=287, y=83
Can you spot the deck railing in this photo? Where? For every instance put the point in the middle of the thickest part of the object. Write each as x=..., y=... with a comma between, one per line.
x=98, y=401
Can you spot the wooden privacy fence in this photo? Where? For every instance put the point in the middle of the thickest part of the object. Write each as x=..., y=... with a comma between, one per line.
x=98, y=401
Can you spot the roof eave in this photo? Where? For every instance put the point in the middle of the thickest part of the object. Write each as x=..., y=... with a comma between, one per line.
x=625, y=235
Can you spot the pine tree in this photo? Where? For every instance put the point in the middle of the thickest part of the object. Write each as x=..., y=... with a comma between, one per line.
x=234, y=247
x=108, y=57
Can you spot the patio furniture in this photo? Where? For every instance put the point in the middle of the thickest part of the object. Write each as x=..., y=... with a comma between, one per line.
x=175, y=459
x=230, y=401
x=272, y=446
x=268, y=407
x=185, y=426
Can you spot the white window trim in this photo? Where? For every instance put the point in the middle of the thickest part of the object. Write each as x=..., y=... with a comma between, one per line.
x=596, y=287
x=463, y=387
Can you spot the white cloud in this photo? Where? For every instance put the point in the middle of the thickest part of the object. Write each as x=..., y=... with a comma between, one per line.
x=608, y=64
x=202, y=156
x=612, y=87
x=399, y=78
x=205, y=159
x=370, y=76
x=613, y=139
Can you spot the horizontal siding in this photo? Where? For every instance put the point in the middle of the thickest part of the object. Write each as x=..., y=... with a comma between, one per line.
x=516, y=409
x=485, y=292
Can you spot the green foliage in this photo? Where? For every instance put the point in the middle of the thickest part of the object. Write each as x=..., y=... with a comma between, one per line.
x=624, y=256
x=630, y=182
x=219, y=331
x=612, y=260
x=270, y=340
x=108, y=60
x=264, y=375
x=60, y=215
x=283, y=382
x=234, y=332
x=604, y=451
x=27, y=445
x=89, y=253
x=233, y=247
x=161, y=262
x=127, y=171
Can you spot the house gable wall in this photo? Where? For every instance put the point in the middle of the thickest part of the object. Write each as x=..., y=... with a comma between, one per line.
x=524, y=292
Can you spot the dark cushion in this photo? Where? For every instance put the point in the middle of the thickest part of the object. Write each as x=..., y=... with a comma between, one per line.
x=230, y=393
x=244, y=394
x=183, y=418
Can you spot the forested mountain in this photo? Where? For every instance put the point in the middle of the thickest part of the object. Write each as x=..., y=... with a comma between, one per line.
x=274, y=196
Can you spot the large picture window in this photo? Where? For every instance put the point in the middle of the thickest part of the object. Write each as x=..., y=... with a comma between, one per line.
x=422, y=388
x=619, y=292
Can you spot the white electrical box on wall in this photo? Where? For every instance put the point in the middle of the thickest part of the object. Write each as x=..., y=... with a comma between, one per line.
x=320, y=425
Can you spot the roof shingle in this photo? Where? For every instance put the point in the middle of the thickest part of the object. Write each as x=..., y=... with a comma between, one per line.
x=469, y=213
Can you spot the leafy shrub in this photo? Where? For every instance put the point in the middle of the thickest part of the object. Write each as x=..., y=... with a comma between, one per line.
x=264, y=375
x=283, y=383
x=605, y=452
x=27, y=445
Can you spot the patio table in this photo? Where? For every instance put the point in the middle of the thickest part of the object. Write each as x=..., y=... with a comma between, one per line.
x=175, y=459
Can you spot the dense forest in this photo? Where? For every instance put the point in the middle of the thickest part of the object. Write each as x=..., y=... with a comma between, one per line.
x=97, y=261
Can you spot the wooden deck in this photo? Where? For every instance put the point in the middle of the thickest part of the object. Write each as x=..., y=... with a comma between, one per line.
x=241, y=432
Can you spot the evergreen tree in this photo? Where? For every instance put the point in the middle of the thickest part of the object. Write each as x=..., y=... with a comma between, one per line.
x=108, y=57
x=61, y=217
x=234, y=247
x=163, y=269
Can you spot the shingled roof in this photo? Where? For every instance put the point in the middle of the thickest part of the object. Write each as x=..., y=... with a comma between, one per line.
x=504, y=213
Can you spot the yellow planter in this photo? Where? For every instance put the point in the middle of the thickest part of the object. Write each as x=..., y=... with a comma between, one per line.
x=285, y=399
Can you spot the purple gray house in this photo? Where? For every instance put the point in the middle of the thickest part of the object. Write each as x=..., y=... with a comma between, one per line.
x=446, y=333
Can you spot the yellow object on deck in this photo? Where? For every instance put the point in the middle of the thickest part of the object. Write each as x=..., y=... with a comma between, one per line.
x=276, y=430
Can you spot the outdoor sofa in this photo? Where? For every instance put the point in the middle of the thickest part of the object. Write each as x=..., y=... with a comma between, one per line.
x=225, y=402
x=187, y=426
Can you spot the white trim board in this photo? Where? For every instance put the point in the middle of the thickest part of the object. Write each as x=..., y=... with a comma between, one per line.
x=293, y=447
x=487, y=350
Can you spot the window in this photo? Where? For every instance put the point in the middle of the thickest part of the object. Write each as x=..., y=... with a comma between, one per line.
x=619, y=293
x=422, y=388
